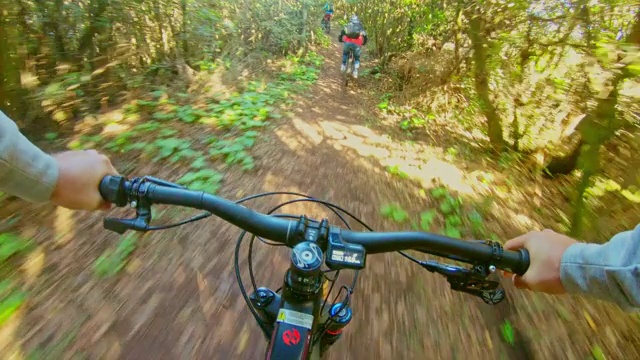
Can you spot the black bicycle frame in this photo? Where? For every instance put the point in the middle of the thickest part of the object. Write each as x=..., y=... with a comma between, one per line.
x=288, y=335
x=291, y=320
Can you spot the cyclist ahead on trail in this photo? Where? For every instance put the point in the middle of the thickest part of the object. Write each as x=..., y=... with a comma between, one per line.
x=328, y=11
x=326, y=19
x=354, y=37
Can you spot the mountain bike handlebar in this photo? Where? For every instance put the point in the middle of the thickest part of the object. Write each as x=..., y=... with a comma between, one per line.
x=146, y=191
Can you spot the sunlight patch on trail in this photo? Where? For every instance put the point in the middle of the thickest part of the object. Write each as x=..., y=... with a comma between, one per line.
x=115, y=129
x=429, y=166
x=33, y=265
x=420, y=162
x=308, y=131
x=64, y=226
x=292, y=140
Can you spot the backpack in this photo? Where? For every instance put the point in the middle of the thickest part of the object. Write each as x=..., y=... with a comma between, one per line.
x=353, y=30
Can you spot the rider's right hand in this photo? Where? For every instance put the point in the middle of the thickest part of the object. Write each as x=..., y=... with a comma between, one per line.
x=79, y=175
x=545, y=252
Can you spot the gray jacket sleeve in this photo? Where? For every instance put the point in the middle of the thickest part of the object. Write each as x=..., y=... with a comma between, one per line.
x=610, y=271
x=25, y=170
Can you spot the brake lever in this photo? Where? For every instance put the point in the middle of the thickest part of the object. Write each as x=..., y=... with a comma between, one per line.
x=471, y=281
x=138, y=223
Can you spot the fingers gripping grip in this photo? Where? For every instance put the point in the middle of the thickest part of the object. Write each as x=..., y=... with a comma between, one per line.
x=522, y=264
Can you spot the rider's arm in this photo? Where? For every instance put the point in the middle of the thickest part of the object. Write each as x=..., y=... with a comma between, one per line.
x=610, y=271
x=25, y=170
x=342, y=33
x=365, y=38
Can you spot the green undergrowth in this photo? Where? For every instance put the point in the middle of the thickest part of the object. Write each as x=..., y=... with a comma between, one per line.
x=112, y=261
x=205, y=137
x=409, y=118
x=12, y=295
x=224, y=129
x=457, y=216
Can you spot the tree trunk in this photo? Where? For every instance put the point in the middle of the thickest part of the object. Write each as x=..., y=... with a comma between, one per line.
x=185, y=45
x=596, y=129
x=11, y=92
x=481, y=75
x=304, y=24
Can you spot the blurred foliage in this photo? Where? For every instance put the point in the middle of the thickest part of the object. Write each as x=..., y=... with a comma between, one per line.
x=532, y=77
x=114, y=260
x=11, y=294
x=63, y=59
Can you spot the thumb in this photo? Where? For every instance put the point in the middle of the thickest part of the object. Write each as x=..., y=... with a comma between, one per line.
x=516, y=243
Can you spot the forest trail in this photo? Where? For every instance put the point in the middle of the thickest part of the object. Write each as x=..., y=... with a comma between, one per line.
x=192, y=308
x=178, y=298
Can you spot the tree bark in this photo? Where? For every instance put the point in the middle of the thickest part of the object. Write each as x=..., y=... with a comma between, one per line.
x=481, y=76
x=11, y=92
x=185, y=44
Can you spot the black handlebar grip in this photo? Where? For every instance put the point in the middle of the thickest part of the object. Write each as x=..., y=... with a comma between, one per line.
x=112, y=189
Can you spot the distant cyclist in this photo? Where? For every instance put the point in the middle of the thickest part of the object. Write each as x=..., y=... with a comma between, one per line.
x=328, y=14
x=328, y=10
x=354, y=37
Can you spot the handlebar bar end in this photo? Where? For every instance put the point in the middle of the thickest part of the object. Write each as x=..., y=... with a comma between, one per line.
x=112, y=189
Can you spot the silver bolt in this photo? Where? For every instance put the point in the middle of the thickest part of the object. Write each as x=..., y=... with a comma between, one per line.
x=134, y=204
x=492, y=268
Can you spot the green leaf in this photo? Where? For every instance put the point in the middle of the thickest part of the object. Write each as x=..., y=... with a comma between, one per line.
x=452, y=232
x=10, y=245
x=162, y=116
x=395, y=213
x=426, y=219
x=157, y=93
x=475, y=217
x=51, y=136
x=113, y=261
x=597, y=353
x=386, y=210
x=439, y=192
x=199, y=163
x=10, y=304
x=446, y=207
x=508, y=333
x=453, y=221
